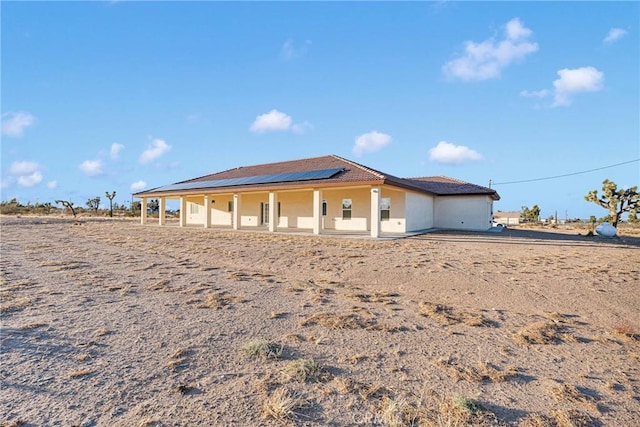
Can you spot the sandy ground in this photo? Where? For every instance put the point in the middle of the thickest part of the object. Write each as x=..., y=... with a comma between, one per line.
x=110, y=323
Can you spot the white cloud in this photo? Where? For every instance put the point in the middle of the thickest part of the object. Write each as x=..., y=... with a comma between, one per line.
x=14, y=123
x=157, y=148
x=485, y=60
x=23, y=168
x=91, y=167
x=290, y=51
x=272, y=121
x=30, y=180
x=446, y=152
x=52, y=184
x=535, y=94
x=6, y=182
x=115, y=150
x=614, y=34
x=572, y=81
x=369, y=142
x=138, y=185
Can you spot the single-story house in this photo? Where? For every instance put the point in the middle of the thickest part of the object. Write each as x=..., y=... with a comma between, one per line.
x=325, y=194
x=507, y=218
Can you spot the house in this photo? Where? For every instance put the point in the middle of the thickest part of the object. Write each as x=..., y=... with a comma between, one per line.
x=325, y=194
x=507, y=218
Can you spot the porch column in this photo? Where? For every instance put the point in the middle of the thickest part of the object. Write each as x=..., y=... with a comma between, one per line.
x=375, y=212
x=143, y=211
x=183, y=211
x=237, y=199
x=273, y=211
x=207, y=212
x=317, y=211
x=161, y=210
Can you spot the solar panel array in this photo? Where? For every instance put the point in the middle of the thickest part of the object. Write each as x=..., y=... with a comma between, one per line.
x=259, y=179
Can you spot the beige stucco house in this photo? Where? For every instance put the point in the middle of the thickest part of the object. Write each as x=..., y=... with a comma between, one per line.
x=325, y=194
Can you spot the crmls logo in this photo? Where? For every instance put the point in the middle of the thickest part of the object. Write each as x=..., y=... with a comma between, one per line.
x=366, y=419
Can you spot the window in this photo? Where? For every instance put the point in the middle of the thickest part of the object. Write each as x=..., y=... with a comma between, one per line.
x=324, y=208
x=385, y=207
x=194, y=208
x=230, y=206
x=346, y=208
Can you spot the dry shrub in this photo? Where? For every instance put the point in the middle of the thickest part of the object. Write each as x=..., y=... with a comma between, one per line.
x=572, y=418
x=78, y=373
x=262, y=349
x=482, y=372
x=398, y=412
x=377, y=297
x=338, y=321
x=626, y=331
x=543, y=332
x=447, y=315
x=178, y=359
x=13, y=305
x=570, y=393
x=282, y=404
x=219, y=300
x=459, y=411
x=537, y=420
x=304, y=370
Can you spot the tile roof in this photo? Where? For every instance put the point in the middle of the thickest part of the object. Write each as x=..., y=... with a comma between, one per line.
x=352, y=173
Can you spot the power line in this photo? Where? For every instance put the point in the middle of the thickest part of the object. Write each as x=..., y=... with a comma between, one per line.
x=566, y=174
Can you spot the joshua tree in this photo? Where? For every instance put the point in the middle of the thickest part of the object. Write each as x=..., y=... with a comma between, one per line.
x=67, y=204
x=94, y=204
x=532, y=214
x=614, y=200
x=110, y=196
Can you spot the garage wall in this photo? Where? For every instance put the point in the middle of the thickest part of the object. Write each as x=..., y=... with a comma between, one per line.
x=463, y=212
x=419, y=211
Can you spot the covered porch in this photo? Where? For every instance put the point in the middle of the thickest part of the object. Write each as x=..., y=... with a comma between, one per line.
x=365, y=210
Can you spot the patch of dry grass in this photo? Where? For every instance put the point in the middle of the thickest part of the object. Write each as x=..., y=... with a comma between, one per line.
x=626, y=331
x=543, y=332
x=178, y=359
x=10, y=305
x=262, y=349
x=79, y=373
x=483, y=371
x=570, y=393
x=345, y=321
x=219, y=300
x=304, y=370
x=283, y=404
x=572, y=418
x=447, y=315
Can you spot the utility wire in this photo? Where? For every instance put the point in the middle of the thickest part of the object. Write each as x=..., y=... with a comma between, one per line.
x=567, y=174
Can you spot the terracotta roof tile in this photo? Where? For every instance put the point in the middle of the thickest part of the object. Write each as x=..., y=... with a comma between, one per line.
x=353, y=173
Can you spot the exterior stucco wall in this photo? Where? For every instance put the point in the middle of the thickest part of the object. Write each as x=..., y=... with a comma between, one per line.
x=397, y=222
x=360, y=209
x=196, y=205
x=463, y=212
x=420, y=212
x=296, y=209
x=250, y=209
x=220, y=213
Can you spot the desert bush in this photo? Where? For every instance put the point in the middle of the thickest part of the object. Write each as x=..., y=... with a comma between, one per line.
x=262, y=349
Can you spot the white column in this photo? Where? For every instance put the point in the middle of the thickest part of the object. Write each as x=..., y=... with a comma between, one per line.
x=273, y=211
x=375, y=211
x=183, y=211
x=161, y=210
x=207, y=212
x=317, y=211
x=237, y=199
x=143, y=211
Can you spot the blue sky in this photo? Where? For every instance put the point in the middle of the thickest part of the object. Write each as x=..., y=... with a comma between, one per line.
x=104, y=96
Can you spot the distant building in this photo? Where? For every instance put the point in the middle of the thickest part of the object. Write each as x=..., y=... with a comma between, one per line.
x=325, y=194
x=506, y=218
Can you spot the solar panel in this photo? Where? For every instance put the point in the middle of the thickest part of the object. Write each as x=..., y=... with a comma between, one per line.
x=258, y=179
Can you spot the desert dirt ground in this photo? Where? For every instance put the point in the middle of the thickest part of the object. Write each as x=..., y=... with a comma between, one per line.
x=111, y=323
